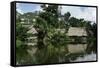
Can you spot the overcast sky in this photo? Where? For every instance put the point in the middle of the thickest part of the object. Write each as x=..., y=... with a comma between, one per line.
x=88, y=13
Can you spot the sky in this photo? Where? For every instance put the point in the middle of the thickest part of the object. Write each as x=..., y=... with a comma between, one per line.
x=88, y=13
x=24, y=8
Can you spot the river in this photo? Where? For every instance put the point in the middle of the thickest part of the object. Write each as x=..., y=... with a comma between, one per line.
x=87, y=57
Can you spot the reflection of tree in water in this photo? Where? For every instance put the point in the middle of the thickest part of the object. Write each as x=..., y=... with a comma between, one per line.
x=92, y=38
x=52, y=44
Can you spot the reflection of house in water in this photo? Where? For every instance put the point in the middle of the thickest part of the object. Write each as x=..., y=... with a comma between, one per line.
x=78, y=39
x=32, y=39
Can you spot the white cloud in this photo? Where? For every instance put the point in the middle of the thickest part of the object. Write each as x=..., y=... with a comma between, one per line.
x=24, y=8
x=88, y=13
x=20, y=11
x=38, y=8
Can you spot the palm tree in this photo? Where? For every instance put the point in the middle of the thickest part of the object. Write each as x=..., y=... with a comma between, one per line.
x=51, y=43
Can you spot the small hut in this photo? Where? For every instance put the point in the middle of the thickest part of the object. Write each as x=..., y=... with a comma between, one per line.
x=78, y=39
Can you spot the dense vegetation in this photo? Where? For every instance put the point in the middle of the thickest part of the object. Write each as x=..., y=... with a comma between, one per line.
x=52, y=41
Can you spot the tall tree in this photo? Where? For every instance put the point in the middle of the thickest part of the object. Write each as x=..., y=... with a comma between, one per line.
x=50, y=41
x=67, y=16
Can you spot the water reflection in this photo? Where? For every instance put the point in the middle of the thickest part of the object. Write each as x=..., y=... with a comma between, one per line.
x=86, y=57
x=77, y=48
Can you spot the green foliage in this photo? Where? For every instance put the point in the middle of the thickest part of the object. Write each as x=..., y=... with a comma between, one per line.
x=19, y=43
x=66, y=16
x=22, y=56
x=50, y=14
x=51, y=44
x=92, y=37
x=59, y=40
